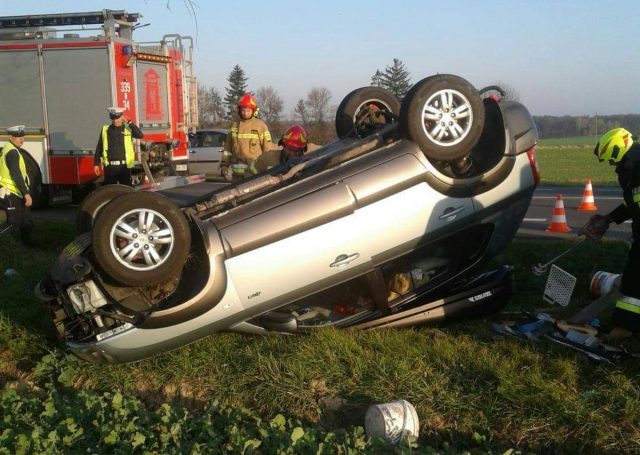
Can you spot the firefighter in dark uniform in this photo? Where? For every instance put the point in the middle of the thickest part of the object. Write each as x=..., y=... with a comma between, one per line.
x=15, y=198
x=115, y=148
x=617, y=147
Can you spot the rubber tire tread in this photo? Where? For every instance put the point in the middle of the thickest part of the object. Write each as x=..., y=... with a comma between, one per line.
x=140, y=200
x=347, y=110
x=94, y=202
x=411, y=112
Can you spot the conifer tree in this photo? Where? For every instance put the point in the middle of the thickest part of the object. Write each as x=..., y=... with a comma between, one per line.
x=237, y=87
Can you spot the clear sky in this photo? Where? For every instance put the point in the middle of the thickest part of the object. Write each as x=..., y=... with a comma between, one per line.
x=561, y=57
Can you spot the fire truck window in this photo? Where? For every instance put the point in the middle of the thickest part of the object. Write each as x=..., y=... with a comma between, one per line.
x=213, y=140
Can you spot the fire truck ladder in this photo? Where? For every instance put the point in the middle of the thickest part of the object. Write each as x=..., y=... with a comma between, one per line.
x=67, y=19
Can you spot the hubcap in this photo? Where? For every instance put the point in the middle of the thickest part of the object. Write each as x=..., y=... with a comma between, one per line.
x=447, y=117
x=142, y=239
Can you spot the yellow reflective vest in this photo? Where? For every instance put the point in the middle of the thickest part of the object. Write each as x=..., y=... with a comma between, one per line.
x=129, y=154
x=5, y=176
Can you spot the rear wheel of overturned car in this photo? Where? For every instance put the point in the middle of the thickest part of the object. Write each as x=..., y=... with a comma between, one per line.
x=365, y=110
x=141, y=239
x=444, y=116
x=94, y=202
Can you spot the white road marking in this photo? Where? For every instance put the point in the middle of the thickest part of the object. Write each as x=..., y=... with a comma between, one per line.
x=535, y=220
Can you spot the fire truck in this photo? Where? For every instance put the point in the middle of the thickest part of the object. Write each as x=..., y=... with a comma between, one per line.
x=60, y=72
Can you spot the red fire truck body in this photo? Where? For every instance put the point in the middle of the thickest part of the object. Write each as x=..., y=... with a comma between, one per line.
x=59, y=87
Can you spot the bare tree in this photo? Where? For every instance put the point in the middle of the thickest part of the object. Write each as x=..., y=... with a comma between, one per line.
x=300, y=112
x=270, y=103
x=210, y=106
x=317, y=104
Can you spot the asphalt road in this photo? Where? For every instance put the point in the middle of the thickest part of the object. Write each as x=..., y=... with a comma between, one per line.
x=536, y=221
x=540, y=211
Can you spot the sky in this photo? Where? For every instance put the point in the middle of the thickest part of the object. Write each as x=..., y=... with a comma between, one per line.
x=570, y=57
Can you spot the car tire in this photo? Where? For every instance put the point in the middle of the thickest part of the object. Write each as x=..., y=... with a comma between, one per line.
x=39, y=192
x=443, y=133
x=125, y=246
x=94, y=202
x=352, y=119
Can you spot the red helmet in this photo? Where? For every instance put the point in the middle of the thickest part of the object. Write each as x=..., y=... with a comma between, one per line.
x=248, y=101
x=294, y=138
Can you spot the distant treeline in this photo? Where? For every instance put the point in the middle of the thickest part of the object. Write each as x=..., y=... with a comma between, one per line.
x=595, y=125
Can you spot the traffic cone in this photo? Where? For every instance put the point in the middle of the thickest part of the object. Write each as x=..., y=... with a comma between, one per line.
x=588, y=204
x=559, y=220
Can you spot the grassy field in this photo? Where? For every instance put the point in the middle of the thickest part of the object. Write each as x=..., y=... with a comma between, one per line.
x=463, y=380
x=570, y=162
x=577, y=141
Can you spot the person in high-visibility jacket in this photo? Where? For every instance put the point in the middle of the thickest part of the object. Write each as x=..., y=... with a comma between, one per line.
x=15, y=196
x=246, y=141
x=294, y=143
x=620, y=149
x=115, y=148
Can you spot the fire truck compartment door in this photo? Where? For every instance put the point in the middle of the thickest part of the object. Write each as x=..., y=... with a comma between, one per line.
x=152, y=89
x=20, y=91
x=78, y=92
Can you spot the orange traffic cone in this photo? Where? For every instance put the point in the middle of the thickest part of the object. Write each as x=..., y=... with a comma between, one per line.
x=588, y=204
x=559, y=220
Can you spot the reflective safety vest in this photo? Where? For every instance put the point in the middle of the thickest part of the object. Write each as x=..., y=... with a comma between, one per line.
x=629, y=304
x=129, y=154
x=5, y=176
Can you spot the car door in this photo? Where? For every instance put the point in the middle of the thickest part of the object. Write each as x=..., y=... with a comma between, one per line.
x=206, y=152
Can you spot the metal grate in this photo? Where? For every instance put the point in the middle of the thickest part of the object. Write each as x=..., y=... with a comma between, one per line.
x=559, y=286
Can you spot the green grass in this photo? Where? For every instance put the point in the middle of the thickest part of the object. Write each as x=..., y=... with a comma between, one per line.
x=461, y=378
x=570, y=161
x=583, y=141
x=573, y=166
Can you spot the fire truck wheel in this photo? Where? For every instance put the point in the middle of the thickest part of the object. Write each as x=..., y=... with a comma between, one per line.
x=38, y=191
x=365, y=110
x=141, y=239
x=94, y=202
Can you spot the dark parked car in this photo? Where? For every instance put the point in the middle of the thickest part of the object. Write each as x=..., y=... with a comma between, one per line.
x=388, y=226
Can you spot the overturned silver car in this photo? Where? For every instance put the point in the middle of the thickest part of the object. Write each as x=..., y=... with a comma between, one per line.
x=389, y=226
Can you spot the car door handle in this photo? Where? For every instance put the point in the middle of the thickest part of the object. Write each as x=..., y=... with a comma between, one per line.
x=344, y=260
x=451, y=212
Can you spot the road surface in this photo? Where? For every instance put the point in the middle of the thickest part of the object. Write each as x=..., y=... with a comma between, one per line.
x=538, y=216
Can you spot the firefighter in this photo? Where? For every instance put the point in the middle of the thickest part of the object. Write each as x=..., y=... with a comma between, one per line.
x=15, y=197
x=617, y=147
x=293, y=143
x=246, y=141
x=115, y=148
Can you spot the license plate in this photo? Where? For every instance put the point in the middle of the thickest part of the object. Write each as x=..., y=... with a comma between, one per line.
x=181, y=167
x=109, y=333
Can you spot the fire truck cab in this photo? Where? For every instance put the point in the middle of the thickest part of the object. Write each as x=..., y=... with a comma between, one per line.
x=60, y=72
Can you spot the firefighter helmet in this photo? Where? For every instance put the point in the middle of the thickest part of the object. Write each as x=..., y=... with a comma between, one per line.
x=294, y=138
x=613, y=145
x=248, y=101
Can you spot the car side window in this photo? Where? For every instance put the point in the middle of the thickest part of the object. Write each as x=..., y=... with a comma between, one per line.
x=213, y=140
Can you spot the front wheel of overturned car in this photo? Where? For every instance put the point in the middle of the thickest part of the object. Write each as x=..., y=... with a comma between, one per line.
x=444, y=116
x=141, y=239
x=365, y=110
x=94, y=202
